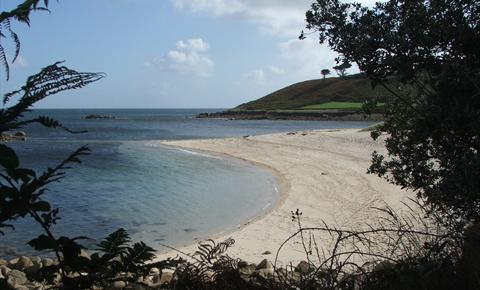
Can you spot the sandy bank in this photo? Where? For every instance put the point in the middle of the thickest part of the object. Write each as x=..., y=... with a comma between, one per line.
x=322, y=173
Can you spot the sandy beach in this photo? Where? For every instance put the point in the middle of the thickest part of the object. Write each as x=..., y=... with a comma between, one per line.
x=322, y=173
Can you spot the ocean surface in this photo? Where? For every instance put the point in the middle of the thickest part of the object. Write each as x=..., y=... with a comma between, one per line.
x=160, y=195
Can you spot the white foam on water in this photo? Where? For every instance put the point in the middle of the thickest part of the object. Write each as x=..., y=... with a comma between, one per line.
x=196, y=153
x=277, y=190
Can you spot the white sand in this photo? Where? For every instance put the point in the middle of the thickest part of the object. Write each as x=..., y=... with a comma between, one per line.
x=322, y=173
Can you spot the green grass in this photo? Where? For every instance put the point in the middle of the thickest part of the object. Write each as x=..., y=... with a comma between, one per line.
x=334, y=106
x=337, y=106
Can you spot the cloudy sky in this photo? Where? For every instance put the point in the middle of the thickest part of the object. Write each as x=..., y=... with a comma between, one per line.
x=170, y=53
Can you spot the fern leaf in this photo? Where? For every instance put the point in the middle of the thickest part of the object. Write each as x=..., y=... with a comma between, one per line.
x=116, y=243
x=138, y=254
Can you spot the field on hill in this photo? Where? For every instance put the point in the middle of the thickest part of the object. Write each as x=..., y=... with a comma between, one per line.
x=331, y=93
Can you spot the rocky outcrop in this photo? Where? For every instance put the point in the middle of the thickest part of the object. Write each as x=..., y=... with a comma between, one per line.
x=101, y=117
x=19, y=136
x=324, y=115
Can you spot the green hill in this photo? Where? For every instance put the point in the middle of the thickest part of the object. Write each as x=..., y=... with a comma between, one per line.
x=315, y=94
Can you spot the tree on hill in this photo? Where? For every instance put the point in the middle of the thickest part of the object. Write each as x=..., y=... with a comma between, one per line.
x=341, y=69
x=426, y=54
x=325, y=72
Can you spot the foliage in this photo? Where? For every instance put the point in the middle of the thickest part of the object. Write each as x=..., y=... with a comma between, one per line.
x=325, y=72
x=397, y=252
x=431, y=47
x=116, y=260
x=21, y=188
x=341, y=69
x=22, y=14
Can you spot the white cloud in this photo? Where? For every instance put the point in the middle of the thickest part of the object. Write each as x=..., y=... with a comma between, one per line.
x=195, y=44
x=263, y=75
x=278, y=17
x=188, y=57
x=305, y=58
x=256, y=76
x=276, y=70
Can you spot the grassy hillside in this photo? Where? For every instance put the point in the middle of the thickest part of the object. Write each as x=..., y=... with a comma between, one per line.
x=311, y=94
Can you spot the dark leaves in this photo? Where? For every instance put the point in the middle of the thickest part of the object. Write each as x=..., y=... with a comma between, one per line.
x=8, y=157
x=41, y=206
x=43, y=242
x=22, y=14
x=116, y=243
x=137, y=255
x=425, y=53
x=50, y=80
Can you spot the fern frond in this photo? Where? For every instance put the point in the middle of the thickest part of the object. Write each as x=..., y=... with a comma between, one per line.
x=4, y=61
x=56, y=173
x=7, y=24
x=116, y=243
x=209, y=251
x=137, y=255
x=50, y=80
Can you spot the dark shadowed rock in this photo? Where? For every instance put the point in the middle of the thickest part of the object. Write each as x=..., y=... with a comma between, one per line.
x=117, y=285
x=264, y=264
x=242, y=264
x=304, y=267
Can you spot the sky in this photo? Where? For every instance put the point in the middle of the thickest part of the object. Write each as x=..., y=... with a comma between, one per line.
x=169, y=53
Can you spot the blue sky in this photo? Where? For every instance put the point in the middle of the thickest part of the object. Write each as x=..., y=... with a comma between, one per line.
x=169, y=53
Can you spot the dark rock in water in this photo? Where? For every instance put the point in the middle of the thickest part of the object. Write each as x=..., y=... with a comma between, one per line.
x=266, y=253
x=203, y=115
x=96, y=116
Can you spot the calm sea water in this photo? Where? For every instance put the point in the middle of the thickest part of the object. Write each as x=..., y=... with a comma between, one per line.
x=159, y=194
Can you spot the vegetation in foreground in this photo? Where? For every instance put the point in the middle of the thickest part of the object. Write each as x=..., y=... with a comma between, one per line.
x=432, y=139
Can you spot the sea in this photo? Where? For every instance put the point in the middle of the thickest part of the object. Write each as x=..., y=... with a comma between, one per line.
x=160, y=195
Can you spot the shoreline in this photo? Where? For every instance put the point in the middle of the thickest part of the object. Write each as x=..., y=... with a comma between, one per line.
x=282, y=192
x=300, y=115
x=296, y=159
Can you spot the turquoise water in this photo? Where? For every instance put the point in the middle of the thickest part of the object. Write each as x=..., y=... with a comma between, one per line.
x=159, y=194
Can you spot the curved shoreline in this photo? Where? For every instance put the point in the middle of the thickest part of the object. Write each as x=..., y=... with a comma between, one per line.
x=282, y=183
x=323, y=173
